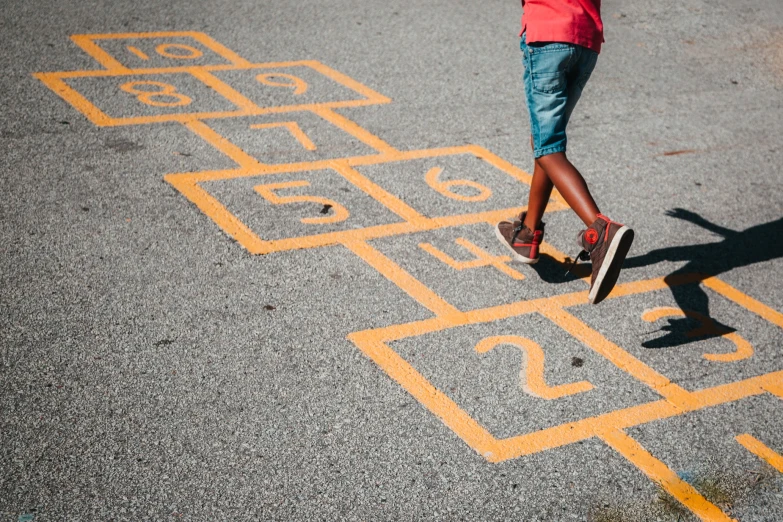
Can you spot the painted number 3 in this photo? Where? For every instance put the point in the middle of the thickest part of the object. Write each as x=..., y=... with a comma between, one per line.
x=163, y=94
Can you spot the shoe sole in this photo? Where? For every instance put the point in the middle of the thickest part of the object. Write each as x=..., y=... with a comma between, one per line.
x=613, y=262
x=515, y=255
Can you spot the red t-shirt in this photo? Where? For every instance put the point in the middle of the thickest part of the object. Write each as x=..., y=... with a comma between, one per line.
x=570, y=21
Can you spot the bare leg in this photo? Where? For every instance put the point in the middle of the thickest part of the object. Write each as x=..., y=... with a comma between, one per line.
x=569, y=182
x=540, y=190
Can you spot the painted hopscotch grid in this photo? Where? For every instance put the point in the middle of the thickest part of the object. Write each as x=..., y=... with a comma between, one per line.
x=277, y=90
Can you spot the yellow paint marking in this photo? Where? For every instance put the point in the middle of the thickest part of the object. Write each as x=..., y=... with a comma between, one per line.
x=660, y=473
x=482, y=258
x=744, y=348
x=757, y=307
x=138, y=52
x=86, y=42
x=346, y=81
x=55, y=82
x=531, y=374
x=296, y=84
x=406, y=282
x=243, y=159
x=191, y=52
x=293, y=128
x=387, y=199
x=775, y=388
x=79, y=102
x=356, y=131
x=475, y=435
x=444, y=187
x=247, y=107
x=218, y=213
x=267, y=191
x=416, y=221
x=157, y=98
x=619, y=357
x=761, y=450
x=224, y=90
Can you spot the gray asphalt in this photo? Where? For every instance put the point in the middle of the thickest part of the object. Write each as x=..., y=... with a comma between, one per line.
x=151, y=368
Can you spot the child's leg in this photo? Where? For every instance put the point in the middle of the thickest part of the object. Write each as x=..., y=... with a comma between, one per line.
x=569, y=182
x=540, y=190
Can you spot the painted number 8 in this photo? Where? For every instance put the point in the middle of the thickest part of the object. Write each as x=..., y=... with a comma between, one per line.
x=165, y=96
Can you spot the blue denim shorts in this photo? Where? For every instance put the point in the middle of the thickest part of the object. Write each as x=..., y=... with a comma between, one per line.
x=555, y=74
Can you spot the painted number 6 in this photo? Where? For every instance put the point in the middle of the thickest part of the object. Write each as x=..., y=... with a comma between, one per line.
x=444, y=187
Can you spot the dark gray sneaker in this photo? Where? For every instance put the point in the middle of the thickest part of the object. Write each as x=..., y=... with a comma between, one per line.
x=522, y=242
x=605, y=243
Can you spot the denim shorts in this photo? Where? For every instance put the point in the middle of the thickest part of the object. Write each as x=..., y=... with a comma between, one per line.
x=555, y=74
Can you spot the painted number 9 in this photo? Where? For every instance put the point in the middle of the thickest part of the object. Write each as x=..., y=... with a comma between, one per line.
x=298, y=85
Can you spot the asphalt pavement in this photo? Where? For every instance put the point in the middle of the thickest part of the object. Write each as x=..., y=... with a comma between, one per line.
x=249, y=269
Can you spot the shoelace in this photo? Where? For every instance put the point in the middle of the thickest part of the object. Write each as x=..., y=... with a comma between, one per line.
x=584, y=255
x=517, y=230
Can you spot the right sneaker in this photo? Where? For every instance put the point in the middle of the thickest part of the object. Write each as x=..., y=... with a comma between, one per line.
x=605, y=243
x=522, y=242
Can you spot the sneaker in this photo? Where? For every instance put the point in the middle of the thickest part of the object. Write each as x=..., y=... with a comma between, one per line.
x=520, y=240
x=605, y=243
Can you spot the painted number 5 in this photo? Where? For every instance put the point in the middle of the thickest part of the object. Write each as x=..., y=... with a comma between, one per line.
x=339, y=212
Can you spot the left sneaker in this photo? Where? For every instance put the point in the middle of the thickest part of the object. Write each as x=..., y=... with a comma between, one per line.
x=605, y=243
x=520, y=240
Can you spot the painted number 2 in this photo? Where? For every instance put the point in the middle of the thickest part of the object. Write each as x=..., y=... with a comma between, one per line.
x=531, y=376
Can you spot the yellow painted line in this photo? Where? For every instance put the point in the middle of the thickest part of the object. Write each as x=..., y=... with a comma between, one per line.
x=243, y=159
x=356, y=131
x=616, y=355
x=631, y=416
x=406, y=282
x=346, y=81
x=220, y=49
x=775, y=388
x=384, y=197
x=218, y=213
x=85, y=41
x=428, y=396
x=79, y=102
x=293, y=128
x=481, y=258
x=661, y=474
x=761, y=450
x=757, y=307
x=138, y=52
x=224, y=90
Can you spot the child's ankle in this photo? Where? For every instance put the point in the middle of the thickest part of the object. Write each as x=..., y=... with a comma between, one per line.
x=534, y=227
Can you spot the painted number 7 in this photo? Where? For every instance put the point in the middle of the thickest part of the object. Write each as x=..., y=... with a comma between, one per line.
x=339, y=212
